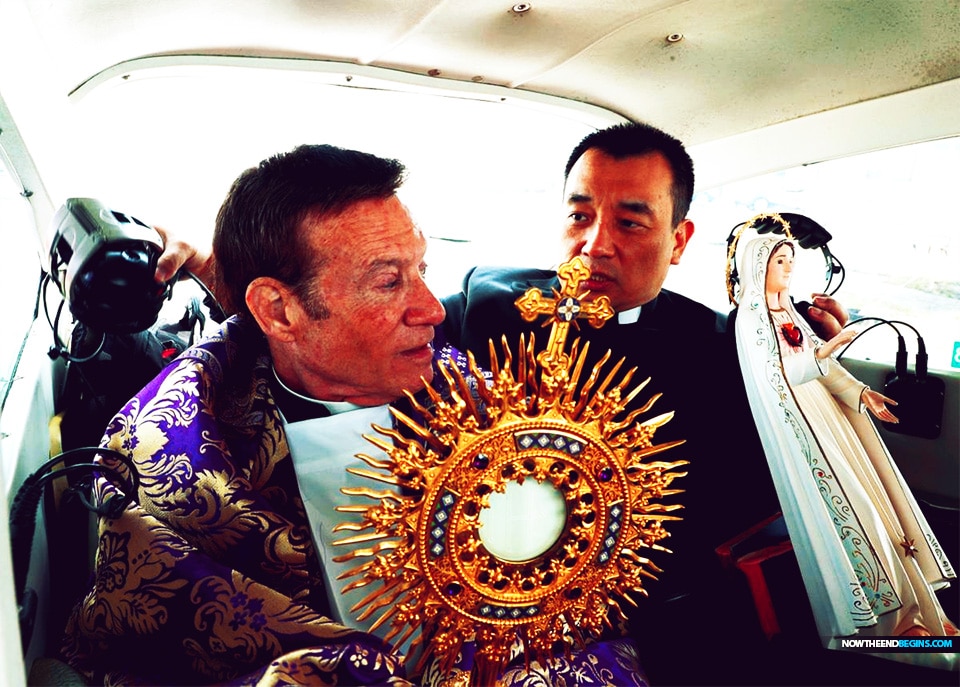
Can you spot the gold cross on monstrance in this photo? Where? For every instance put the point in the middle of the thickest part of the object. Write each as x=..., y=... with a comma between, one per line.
x=565, y=307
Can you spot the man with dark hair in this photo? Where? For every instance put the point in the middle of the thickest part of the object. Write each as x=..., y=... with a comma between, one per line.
x=627, y=192
x=635, y=139
x=258, y=226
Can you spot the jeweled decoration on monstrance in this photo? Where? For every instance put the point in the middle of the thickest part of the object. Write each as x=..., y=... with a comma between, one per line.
x=428, y=561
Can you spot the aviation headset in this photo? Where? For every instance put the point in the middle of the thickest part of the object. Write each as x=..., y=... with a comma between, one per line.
x=103, y=262
x=802, y=229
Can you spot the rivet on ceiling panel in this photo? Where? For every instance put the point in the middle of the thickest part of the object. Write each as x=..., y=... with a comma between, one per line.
x=521, y=7
x=674, y=38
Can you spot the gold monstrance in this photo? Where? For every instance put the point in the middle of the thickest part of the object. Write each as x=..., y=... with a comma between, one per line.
x=426, y=560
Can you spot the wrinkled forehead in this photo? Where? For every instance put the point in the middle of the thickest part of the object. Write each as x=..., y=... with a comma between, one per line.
x=373, y=222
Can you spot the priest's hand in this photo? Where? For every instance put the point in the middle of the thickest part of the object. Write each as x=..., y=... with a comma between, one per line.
x=178, y=254
x=827, y=316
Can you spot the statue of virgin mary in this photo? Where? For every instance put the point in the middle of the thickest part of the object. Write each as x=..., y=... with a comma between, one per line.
x=869, y=561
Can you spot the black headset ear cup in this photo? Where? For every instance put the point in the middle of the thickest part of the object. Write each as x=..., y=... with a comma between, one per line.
x=767, y=224
x=808, y=233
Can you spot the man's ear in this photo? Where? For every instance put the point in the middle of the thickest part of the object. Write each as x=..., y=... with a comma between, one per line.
x=274, y=307
x=681, y=235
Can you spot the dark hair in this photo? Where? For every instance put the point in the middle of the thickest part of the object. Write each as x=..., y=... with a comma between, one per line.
x=633, y=139
x=258, y=230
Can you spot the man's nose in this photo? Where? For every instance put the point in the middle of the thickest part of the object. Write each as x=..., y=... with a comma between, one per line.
x=425, y=308
x=598, y=239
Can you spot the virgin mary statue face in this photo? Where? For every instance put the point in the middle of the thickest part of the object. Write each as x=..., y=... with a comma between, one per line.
x=780, y=269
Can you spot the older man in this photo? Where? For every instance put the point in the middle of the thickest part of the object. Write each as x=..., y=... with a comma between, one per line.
x=222, y=569
x=213, y=574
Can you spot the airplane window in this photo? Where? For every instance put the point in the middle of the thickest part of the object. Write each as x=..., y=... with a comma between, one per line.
x=894, y=219
x=19, y=271
x=484, y=176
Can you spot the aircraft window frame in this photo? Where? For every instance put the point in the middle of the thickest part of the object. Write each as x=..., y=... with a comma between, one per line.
x=888, y=213
x=19, y=274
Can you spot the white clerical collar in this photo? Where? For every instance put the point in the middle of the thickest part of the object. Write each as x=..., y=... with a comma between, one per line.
x=629, y=316
x=334, y=407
